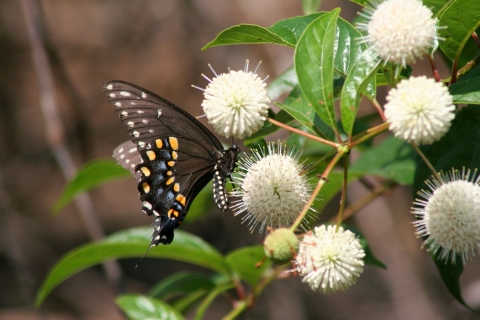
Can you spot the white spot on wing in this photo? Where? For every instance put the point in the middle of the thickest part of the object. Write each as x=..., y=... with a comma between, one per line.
x=140, y=111
x=145, y=121
x=118, y=104
x=144, y=95
x=112, y=95
x=109, y=87
x=147, y=205
x=125, y=93
x=132, y=150
x=141, y=144
x=130, y=123
x=159, y=113
x=136, y=134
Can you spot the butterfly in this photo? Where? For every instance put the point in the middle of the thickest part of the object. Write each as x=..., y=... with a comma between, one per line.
x=171, y=154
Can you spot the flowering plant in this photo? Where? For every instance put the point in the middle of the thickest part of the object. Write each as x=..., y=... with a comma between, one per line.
x=336, y=65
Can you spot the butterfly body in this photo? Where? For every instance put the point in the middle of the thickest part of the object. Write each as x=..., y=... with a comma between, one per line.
x=171, y=154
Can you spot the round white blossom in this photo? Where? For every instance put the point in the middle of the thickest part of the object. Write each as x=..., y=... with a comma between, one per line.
x=272, y=187
x=449, y=215
x=330, y=260
x=419, y=110
x=236, y=103
x=399, y=30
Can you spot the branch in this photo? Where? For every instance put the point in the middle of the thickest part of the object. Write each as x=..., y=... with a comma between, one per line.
x=54, y=131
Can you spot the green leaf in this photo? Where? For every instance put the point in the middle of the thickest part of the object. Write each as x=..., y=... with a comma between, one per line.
x=292, y=29
x=282, y=84
x=246, y=34
x=466, y=91
x=363, y=3
x=450, y=274
x=140, y=307
x=243, y=262
x=314, y=65
x=299, y=108
x=347, y=48
x=128, y=244
x=393, y=159
x=285, y=32
x=89, y=176
x=181, y=283
x=437, y=6
x=460, y=19
x=310, y=6
x=360, y=76
x=457, y=149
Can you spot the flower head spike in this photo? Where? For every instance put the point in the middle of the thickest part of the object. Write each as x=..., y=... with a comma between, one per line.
x=272, y=187
x=330, y=260
x=399, y=30
x=449, y=215
x=236, y=103
x=419, y=110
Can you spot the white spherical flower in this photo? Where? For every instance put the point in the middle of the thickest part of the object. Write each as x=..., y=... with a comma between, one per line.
x=236, y=103
x=449, y=215
x=399, y=30
x=330, y=260
x=419, y=110
x=272, y=187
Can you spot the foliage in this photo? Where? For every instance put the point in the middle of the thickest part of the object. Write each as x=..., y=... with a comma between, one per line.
x=345, y=71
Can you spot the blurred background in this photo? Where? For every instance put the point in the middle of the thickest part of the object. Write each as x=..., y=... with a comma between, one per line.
x=156, y=44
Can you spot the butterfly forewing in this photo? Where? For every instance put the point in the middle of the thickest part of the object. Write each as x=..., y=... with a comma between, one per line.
x=149, y=116
x=172, y=155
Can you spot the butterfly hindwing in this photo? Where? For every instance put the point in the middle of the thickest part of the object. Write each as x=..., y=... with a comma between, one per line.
x=128, y=157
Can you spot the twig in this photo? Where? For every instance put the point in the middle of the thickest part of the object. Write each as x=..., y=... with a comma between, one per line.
x=359, y=204
x=54, y=130
x=310, y=136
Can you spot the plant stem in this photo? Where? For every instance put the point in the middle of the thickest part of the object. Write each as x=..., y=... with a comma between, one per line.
x=322, y=180
x=310, y=136
x=429, y=165
x=372, y=132
x=436, y=75
x=239, y=308
x=343, y=198
x=376, y=192
x=379, y=109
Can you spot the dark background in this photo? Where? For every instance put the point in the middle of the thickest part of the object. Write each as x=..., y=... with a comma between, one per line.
x=156, y=44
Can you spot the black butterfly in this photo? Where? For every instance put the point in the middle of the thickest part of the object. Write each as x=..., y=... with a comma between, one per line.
x=172, y=156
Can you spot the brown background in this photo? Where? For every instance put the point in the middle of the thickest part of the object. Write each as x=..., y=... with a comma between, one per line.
x=156, y=44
